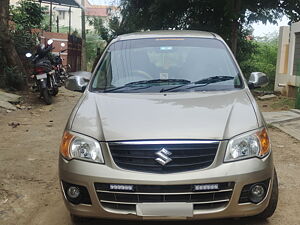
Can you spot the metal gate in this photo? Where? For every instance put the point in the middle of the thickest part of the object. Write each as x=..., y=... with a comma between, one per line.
x=74, y=52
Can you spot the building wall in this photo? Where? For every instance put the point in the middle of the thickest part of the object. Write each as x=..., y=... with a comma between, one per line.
x=63, y=20
x=288, y=59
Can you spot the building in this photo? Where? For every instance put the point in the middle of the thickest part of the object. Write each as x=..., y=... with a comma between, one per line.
x=64, y=16
x=288, y=60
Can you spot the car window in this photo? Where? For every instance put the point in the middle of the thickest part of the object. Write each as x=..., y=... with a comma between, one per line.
x=191, y=59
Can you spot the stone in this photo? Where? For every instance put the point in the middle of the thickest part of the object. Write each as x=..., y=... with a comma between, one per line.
x=295, y=110
x=8, y=97
x=14, y=124
x=280, y=116
x=7, y=105
x=266, y=97
x=292, y=128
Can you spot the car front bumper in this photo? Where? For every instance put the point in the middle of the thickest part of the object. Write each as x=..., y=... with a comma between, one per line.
x=242, y=173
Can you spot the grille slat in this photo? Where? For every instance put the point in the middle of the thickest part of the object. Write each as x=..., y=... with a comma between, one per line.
x=185, y=156
x=143, y=156
x=125, y=200
x=170, y=166
x=171, y=193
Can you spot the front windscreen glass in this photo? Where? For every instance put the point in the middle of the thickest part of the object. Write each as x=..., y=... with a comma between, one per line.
x=166, y=65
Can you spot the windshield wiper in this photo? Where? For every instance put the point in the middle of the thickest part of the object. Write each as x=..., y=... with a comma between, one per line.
x=136, y=84
x=214, y=79
x=202, y=82
x=132, y=88
x=159, y=81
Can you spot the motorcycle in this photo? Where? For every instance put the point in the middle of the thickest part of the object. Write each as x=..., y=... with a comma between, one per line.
x=44, y=76
x=61, y=71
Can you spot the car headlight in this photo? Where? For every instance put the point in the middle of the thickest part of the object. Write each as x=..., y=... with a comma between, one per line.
x=78, y=146
x=252, y=144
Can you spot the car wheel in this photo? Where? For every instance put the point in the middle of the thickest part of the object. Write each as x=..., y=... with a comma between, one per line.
x=77, y=219
x=269, y=211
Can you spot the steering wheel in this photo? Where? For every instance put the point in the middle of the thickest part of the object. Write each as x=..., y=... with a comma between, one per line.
x=143, y=73
x=136, y=75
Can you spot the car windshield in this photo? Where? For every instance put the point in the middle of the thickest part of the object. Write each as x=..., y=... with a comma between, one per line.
x=166, y=64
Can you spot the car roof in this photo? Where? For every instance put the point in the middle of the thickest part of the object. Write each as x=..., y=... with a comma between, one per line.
x=167, y=33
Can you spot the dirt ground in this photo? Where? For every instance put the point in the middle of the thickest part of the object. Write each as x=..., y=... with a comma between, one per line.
x=278, y=103
x=29, y=190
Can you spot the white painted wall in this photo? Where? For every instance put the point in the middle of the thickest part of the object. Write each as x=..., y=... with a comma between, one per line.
x=285, y=78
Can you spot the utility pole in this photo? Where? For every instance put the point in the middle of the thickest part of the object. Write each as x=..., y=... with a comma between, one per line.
x=83, y=53
x=57, y=24
x=70, y=20
x=50, y=25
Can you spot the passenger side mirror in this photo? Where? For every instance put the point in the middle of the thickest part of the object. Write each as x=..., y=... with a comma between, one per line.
x=258, y=80
x=78, y=81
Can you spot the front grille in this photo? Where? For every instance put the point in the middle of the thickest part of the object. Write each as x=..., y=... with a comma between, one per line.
x=127, y=200
x=185, y=156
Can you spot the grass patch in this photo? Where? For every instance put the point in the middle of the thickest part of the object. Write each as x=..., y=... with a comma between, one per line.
x=283, y=103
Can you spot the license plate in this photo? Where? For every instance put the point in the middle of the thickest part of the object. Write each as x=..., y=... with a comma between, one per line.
x=174, y=210
x=41, y=76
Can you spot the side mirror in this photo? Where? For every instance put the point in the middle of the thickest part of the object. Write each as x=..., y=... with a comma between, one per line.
x=78, y=81
x=258, y=80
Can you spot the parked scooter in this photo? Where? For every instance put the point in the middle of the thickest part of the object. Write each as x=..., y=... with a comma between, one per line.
x=44, y=76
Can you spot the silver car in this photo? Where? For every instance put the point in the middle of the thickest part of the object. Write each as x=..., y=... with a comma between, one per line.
x=167, y=129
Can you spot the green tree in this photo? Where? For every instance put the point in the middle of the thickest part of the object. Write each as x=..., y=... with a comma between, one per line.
x=227, y=18
x=264, y=58
x=17, y=39
x=27, y=15
x=10, y=60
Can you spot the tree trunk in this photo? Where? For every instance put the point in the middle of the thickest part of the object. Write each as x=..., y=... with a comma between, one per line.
x=6, y=41
x=235, y=25
x=83, y=36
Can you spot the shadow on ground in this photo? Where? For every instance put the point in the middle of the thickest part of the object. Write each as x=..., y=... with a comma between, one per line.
x=242, y=221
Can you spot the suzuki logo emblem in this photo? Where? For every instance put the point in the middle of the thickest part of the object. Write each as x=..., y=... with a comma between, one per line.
x=163, y=157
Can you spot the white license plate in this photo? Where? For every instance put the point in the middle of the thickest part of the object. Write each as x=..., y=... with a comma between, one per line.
x=41, y=76
x=174, y=210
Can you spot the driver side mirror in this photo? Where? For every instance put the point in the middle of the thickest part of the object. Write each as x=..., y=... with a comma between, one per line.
x=258, y=80
x=78, y=81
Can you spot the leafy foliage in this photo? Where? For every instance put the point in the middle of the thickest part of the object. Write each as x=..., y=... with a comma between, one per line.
x=14, y=79
x=27, y=15
x=107, y=31
x=263, y=59
x=93, y=44
x=211, y=15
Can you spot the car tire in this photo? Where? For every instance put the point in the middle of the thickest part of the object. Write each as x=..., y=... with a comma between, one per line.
x=269, y=211
x=77, y=219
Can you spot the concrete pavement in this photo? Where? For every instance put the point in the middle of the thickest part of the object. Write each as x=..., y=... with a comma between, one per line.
x=287, y=121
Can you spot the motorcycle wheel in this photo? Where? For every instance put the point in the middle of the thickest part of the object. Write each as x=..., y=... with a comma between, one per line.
x=47, y=98
x=55, y=91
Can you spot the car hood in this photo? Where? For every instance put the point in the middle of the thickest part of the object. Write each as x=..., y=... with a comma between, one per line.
x=145, y=116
